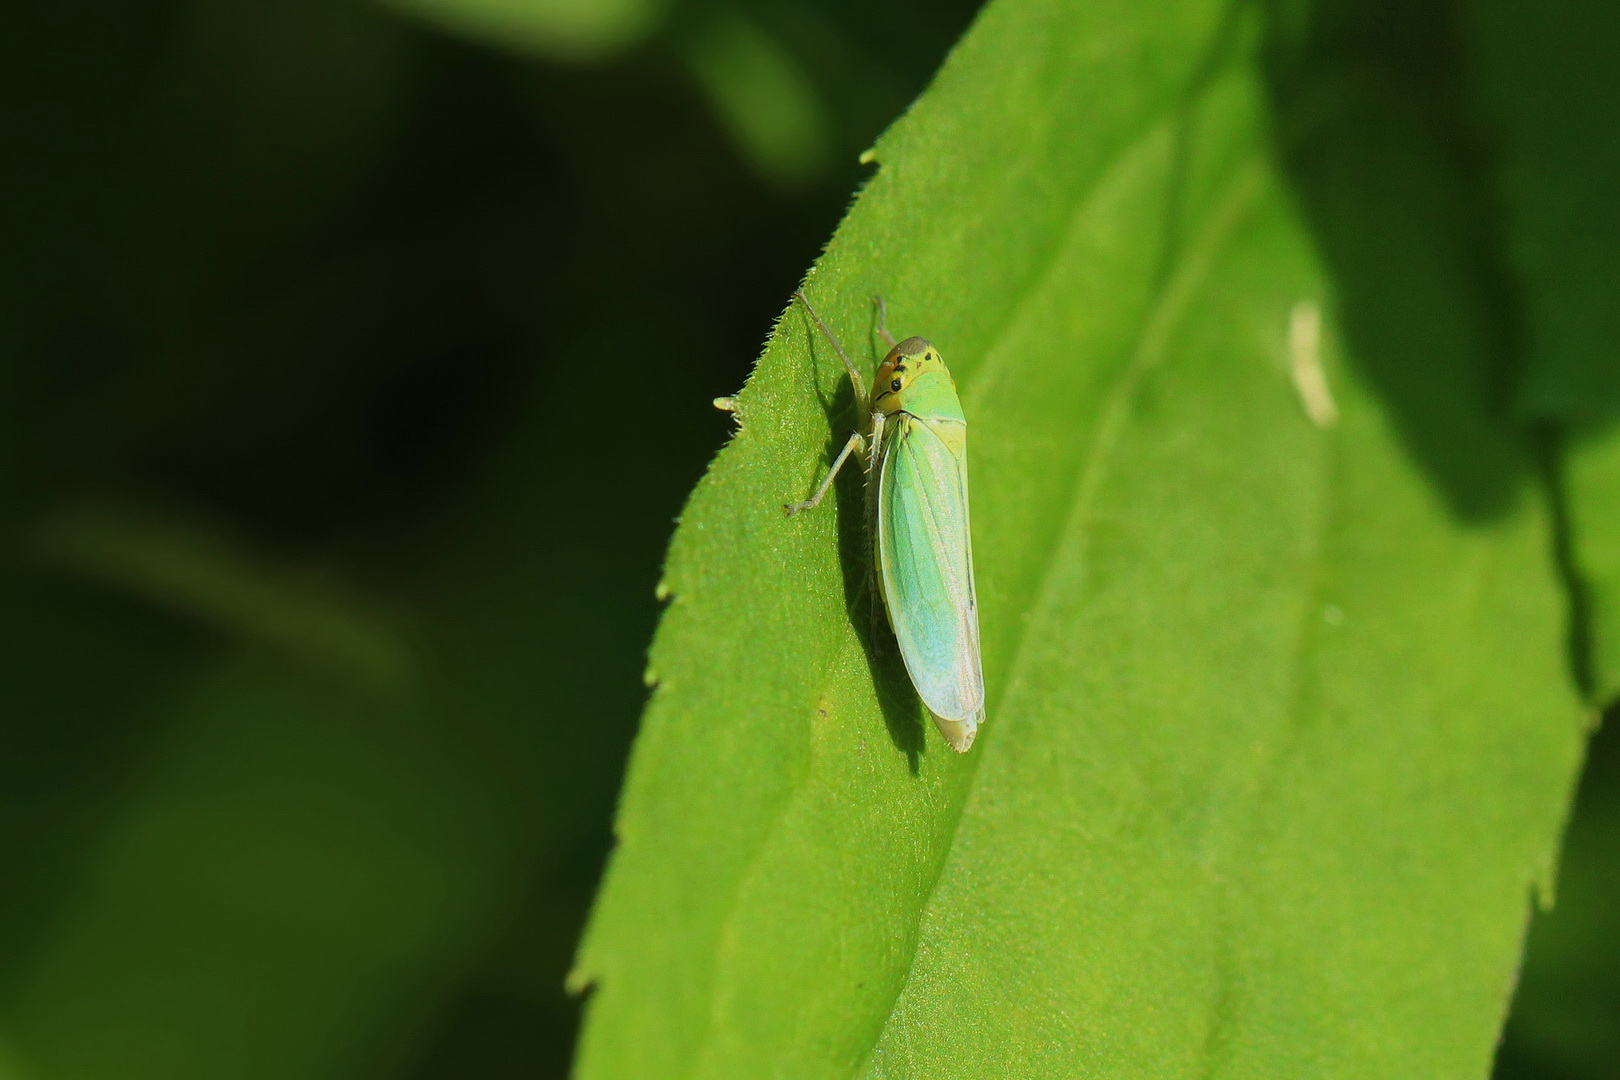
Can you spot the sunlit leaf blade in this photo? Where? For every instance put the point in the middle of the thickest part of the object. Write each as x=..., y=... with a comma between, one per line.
x=1280, y=725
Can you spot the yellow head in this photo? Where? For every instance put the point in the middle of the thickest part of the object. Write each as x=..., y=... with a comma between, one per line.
x=906, y=362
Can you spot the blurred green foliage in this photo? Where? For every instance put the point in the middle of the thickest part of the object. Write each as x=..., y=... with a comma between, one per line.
x=351, y=375
x=578, y=30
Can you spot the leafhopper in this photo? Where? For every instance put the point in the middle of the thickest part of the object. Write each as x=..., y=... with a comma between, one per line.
x=913, y=441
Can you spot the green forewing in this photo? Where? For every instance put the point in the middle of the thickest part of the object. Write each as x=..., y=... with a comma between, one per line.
x=925, y=562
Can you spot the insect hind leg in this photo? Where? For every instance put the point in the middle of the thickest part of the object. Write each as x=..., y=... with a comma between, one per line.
x=856, y=441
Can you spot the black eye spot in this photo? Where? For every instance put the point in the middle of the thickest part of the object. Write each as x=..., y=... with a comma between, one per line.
x=895, y=386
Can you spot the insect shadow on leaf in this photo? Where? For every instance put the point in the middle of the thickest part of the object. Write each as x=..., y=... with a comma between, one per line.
x=903, y=713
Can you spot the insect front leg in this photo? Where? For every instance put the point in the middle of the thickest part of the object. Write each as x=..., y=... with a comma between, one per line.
x=855, y=378
x=883, y=321
x=856, y=442
x=874, y=587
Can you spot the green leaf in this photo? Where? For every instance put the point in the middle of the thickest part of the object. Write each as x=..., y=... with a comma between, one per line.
x=1545, y=83
x=1280, y=722
x=1591, y=479
x=1569, y=992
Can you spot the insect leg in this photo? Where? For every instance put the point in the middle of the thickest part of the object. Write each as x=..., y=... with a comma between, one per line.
x=883, y=321
x=854, y=443
x=877, y=606
x=855, y=377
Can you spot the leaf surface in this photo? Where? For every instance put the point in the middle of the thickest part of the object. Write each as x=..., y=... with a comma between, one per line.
x=1544, y=84
x=1279, y=728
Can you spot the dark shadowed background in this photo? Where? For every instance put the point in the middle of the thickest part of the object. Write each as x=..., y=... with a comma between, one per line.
x=355, y=359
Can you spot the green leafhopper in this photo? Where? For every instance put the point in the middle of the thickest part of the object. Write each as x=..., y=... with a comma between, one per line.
x=913, y=438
